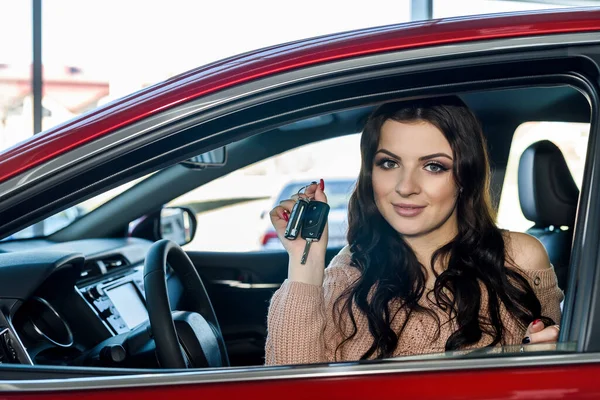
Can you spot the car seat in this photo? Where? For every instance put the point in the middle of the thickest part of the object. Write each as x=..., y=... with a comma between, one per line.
x=548, y=196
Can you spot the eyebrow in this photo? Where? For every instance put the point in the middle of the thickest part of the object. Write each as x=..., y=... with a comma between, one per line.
x=427, y=157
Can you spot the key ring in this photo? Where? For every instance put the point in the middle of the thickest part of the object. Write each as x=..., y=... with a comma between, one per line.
x=301, y=189
x=304, y=188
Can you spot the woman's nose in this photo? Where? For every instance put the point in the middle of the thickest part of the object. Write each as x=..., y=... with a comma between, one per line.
x=408, y=184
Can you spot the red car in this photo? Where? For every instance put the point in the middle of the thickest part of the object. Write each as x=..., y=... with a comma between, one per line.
x=104, y=308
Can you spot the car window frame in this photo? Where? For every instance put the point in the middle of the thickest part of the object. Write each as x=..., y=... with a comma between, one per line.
x=584, y=255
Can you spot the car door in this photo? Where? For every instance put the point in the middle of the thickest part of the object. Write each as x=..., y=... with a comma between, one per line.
x=229, y=265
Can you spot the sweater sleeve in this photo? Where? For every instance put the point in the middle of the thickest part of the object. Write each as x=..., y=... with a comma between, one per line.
x=299, y=323
x=545, y=287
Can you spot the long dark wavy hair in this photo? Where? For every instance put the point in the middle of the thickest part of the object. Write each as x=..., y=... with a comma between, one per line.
x=390, y=271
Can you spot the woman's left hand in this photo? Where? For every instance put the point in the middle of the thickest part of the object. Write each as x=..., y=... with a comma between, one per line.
x=538, y=333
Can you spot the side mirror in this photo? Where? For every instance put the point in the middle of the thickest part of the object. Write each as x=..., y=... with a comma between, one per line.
x=178, y=224
x=213, y=158
x=174, y=223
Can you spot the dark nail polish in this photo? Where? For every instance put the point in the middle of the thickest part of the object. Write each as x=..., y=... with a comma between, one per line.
x=526, y=340
x=537, y=321
x=322, y=184
x=286, y=217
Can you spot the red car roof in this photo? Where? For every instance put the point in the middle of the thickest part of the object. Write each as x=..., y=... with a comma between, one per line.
x=285, y=57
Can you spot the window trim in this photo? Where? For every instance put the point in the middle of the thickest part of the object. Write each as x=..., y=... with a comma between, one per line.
x=149, y=378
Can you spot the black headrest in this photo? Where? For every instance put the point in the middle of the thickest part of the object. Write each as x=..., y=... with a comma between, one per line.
x=547, y=192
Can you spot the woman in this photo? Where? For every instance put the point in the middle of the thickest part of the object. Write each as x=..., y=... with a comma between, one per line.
x=426, y=269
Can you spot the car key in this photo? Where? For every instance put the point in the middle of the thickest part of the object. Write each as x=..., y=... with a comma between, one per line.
x=295, y=222
x=313, y=224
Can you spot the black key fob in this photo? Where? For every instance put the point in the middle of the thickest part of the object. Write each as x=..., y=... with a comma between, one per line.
x=294, y=225
x=315, y=218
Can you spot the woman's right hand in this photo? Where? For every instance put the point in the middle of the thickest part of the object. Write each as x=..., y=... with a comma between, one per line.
x=312, y=272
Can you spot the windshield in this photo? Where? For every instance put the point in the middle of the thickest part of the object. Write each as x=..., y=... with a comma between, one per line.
x=66, y=217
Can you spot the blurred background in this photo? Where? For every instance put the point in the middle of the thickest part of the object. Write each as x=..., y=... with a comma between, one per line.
x=61, y=58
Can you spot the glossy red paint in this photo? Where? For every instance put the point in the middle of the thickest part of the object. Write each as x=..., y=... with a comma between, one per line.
x=269, y=61
x=569, y=382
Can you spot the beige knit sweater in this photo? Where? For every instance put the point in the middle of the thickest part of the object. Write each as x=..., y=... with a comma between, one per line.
x=302, y=325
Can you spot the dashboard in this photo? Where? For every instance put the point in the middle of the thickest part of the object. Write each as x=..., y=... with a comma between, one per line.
x=60, y=302
x=119, y=300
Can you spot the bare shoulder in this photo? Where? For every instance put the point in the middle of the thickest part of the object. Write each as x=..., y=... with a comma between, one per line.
x=526, y=251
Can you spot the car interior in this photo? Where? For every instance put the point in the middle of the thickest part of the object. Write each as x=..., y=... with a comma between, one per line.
x=80, y=296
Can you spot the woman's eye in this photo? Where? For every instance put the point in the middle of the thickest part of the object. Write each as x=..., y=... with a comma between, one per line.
x=388, y=164
x=434, y=167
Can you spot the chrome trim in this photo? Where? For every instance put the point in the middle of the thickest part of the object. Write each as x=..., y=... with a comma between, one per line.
x=280, y=80
x=57, y=315
x=289, y=372
x=243, y=285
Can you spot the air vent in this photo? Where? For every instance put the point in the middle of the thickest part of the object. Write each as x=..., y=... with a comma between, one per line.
x=90, y=269
x=101, y=266
x=113, y=262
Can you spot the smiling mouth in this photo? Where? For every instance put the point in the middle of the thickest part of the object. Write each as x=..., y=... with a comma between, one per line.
x=405, y=210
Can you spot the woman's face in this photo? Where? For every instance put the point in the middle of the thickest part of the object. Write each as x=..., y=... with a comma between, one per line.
x=413, y=183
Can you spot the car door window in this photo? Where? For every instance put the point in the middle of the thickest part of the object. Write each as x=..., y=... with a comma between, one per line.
x=245, y=197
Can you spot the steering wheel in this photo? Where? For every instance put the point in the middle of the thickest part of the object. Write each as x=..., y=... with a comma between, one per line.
x=198, y=341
